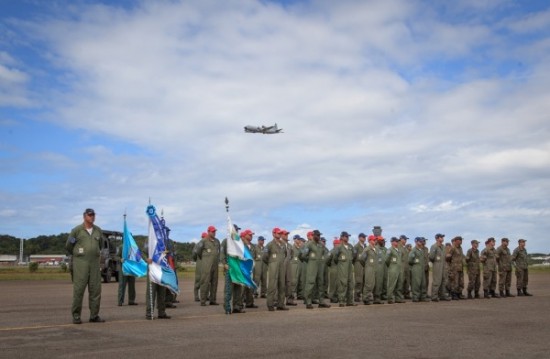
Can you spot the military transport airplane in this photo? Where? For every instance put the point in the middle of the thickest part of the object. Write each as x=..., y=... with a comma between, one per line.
x=266, y=130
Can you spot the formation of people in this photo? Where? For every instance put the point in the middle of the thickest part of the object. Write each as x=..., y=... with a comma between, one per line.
x=368, y=272
x=284, y=272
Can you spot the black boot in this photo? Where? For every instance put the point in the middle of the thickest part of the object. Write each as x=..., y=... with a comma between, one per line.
x=508, y=294
x=494, y=294
x=476, y=296
x=470, y=295
x=486, y=294
x=526, y=293
x=520, y=293
x=502, y=295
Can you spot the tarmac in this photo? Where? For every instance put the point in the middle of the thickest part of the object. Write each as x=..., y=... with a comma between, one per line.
x=36, y=322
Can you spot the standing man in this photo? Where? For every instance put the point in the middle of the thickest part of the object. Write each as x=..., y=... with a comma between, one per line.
x=456, y=268
x=437, y=257
x=369, y=258
x=504, y=261
x=359, y=270
x=333, y=272
x=343, y=258
x=405, y=249
x=417, y=261
x=197, y=286
x=489, y=259
x=125, y=280
x=84, y=246
x=521, y=262
x=274, y=257
x=394, y=262
x=157, y=293
x=381, y=271
x=260, y=269
x=208, y=251
x=293, y=271
x=312, y=254
x=472, y=261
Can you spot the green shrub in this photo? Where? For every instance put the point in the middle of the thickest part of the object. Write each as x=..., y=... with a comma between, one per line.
x=33, y=267
x=64, y=267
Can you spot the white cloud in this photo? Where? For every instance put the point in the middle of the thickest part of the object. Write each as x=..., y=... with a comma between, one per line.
x=367, y=121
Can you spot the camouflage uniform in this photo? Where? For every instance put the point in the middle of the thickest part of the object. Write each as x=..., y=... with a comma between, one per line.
x=504, y=261
x=456, y=268
x=489, y=260
x=521, y=263
x=474, y=280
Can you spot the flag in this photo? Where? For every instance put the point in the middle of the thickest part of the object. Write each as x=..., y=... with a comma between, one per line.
x=239, y=258
x=133, y=264
x=160, y=271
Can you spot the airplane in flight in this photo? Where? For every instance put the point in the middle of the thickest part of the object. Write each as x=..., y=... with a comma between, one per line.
x=266, y=130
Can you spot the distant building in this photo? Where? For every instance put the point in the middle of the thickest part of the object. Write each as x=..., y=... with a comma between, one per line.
x=8, y=260
x=48, y=259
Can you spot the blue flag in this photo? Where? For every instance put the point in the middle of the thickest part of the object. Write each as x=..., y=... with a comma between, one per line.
x=160, y=271
x=132, y=262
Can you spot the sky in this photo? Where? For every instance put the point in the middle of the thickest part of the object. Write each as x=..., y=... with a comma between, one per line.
x=417, y=116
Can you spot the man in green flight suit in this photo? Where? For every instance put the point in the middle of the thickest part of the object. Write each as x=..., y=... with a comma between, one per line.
x=369, y=258
x=332, y=272
x=417, y=261
x=359, y=270
x=394, y=262
x=274, y=257
x=260, y=269
x=312, y=253
x=208, y=251
x=406, y=270
x=84, y=246
x=293, y=271
x=197, y=260
x=439, y=280
x=343, y=258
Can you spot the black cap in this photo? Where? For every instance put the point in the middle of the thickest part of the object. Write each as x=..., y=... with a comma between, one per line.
x=394, y=239
x=439, y=235
x=296, y=236
x=89, y=211
x=504, y=240
x=344, y=234
x=522, y=240
x=403, y=237
x=317, y=232
x=323, y=239
x=261, y=238
x=362, y=235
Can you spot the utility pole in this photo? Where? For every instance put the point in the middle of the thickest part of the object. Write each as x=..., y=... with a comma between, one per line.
x=21, y=242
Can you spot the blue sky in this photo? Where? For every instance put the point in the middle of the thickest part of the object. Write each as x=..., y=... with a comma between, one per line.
x=418, y=116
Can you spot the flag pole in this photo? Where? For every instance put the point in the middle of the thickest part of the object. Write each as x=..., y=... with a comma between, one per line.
x=227, y=299
x=149, y=271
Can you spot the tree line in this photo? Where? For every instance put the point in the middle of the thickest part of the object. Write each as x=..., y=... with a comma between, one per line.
x=55, y=244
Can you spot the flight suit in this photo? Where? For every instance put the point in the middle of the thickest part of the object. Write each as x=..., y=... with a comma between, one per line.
x=209, y=253
x=333, y=277
x=369, y=258
x=380, y=271
x=417, y=262
x=274, y=257
x=85, y=251
x=406, y=272
x=237, y=290
x=359, y=272
x=293, y=273
x=343, y=258
x=437, y=257
x=395, y=279
x=260, y=271
x=197, y=284
x=313, y=255
x=125, y=281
